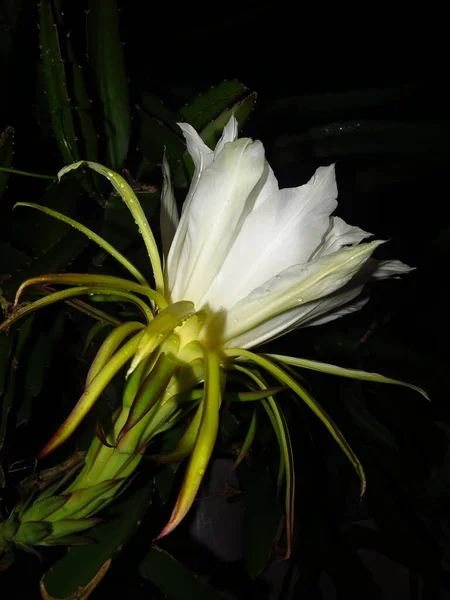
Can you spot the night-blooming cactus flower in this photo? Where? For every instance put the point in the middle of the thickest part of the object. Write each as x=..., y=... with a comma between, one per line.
x=261, y=261
x=244, y=264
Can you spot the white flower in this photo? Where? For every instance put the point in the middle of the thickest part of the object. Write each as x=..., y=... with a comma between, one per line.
x=261, y=260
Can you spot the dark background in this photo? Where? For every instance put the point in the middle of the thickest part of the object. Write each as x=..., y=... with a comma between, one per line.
x=369, y=92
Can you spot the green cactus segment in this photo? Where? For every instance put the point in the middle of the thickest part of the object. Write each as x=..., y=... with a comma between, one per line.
x=212, y=112
x=208, y=106
x=108, y=65
x=55, y=85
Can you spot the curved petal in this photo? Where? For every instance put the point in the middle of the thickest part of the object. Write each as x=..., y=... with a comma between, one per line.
x=289, y=225
x=382, y=269
x=168, y=215
x=202, y=157
x=343, y=301
x=332, y=306
x=340, y=234
x=208, y=227
x=229, y=134
x=296, y=287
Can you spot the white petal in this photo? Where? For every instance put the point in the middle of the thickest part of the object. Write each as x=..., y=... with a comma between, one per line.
x=388, y=268
x=283, y=230
x=340, y=234
x=294, y=288
x=331, y=315
x=221, y=201
x=200, y=153
x=169, y=218
x=229, y=134
x=202, y=157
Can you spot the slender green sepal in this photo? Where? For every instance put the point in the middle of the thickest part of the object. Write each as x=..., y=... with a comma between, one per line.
x=94, y=237
x=91, y=394
x=302, y=393
x=109, y=347
x=150, y=392
x=315, y=365
x=186, y=443
x=204, y=444
x=160, y=328
x=129, y=197
x=117, y=284
x=248, y=441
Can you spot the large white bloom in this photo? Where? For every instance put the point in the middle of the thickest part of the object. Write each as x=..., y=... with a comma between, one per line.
x=260, y=260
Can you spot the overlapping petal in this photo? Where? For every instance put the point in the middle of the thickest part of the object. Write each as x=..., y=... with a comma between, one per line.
x=261, y=260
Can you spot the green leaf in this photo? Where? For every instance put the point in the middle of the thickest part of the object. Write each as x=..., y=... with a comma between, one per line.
x=155, y=136
x=108, y=65
x=78, y=567
x=173, y=579
x=83, y=107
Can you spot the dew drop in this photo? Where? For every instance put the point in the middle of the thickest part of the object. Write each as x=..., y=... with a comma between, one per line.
x=299, y=300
